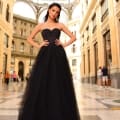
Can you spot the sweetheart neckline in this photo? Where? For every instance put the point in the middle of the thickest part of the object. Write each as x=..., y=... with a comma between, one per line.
x=50, y=29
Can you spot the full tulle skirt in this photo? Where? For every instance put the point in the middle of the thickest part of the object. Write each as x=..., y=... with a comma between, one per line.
x=49, y=94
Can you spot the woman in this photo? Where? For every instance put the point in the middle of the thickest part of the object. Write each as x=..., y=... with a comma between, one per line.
x=7, y=77
x=99, y=75
x=50, y=94
x=14, y=76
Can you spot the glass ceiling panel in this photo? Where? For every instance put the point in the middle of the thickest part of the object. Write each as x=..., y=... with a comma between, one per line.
x=50, y=1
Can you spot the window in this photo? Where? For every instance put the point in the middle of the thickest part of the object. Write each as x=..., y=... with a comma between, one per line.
x=83, y=40
x=82, y=11
x=15, y=20
x=96, y=60
x=21, y=32
x=84, y=63
x=74, y=62
x=25, y=24
x=14, y=29
x=30, y=25
x=89, y=60
x=24, y=32
x=22, y=47
x=87, y=33
x=73, y=48
x=31, y=62
x=5, y=60
x=13, y=46
x=7, y=13
x=31, y=50
x=104, y=9
x=12, y=60
x=74, y=33
x=6, y=39
x=1, y=6
x=107, y=48
x=86, y=2
x=94, y=23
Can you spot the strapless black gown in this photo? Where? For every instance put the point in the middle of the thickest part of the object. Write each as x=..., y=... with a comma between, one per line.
x=49, y=94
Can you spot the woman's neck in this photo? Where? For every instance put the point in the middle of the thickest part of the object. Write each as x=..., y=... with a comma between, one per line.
x=50, y=20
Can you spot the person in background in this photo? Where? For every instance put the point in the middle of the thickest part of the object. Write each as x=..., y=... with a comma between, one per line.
x=27, y=76
x=15, y=77
x=99, y=75
x=105, y=76
x=1, y=79
x=7, y=78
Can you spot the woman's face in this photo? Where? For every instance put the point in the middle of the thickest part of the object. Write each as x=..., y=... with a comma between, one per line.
x=54, y=12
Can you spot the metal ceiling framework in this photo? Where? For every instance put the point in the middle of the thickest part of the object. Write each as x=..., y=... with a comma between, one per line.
x=38, y=8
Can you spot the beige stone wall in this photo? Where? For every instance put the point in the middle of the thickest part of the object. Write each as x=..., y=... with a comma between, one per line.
x=22, y=28
x=73, y=51
x=102, y=38
x=5, y=28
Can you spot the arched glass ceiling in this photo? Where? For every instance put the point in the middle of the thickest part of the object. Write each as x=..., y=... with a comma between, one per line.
x=76, y=12
x=50, y=1
x=23, y=9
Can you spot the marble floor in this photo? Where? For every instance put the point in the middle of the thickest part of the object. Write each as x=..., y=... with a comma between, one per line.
x=95, y=102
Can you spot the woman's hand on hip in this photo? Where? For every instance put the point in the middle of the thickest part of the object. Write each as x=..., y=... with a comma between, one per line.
x=44, y=43
x=58, y=42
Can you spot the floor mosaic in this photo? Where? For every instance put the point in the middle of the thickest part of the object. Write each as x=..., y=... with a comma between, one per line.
x=95, y=102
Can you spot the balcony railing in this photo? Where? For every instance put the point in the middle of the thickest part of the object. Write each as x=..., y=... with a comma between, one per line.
x=19, y=36
x=22, y=54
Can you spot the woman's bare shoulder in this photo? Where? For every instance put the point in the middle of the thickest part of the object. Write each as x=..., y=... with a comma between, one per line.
x=40, y=24
x=62, y=26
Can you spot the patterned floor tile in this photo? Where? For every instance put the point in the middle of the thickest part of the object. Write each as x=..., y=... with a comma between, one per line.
x=88, y=117
x=95, y=102
x=91, y=117
x=8, y=117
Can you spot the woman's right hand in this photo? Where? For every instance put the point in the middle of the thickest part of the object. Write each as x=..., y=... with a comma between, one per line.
x=44, y=43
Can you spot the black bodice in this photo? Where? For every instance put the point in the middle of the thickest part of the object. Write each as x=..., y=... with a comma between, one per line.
x=50, y=35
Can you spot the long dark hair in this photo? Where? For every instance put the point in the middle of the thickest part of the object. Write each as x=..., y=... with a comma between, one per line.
x=50, y=6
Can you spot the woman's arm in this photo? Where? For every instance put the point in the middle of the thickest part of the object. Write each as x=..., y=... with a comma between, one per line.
x=69, y=33
x=31, y=37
